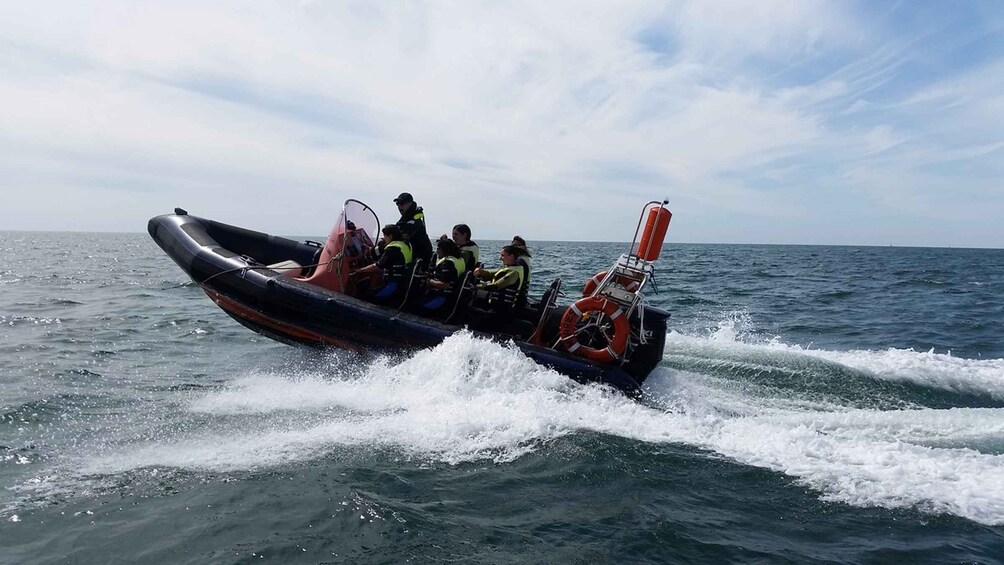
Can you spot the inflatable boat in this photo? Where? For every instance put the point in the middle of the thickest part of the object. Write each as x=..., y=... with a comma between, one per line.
x=301, y=292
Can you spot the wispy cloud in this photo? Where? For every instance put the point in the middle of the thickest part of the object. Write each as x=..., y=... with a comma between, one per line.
x=777, y=121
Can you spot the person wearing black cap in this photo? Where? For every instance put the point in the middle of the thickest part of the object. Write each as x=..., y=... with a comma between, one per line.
x=412, y=223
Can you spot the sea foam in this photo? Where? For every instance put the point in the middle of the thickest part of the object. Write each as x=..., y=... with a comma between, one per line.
x=469, y=399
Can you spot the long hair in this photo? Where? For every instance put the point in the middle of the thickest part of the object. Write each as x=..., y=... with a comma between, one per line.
x=448, y=247
x=519, y=242
x=515, y=250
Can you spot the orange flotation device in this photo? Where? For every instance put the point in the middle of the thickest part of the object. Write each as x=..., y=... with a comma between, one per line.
x=583, y=308
x=650, y=245
x=629, y=285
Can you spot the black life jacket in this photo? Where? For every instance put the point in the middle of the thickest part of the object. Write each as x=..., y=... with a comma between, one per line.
x=398, y=270
x=471, y=254
x=507, y=297
x=412, y=224
x=456, y=265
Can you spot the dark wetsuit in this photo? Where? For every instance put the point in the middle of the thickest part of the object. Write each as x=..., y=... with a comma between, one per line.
x=412, y=223
x=523, y=261
x=395, y=262
x=447, y=270
x=471, y=254
x=498, y=308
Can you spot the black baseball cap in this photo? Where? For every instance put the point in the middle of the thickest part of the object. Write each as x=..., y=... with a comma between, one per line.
x=403, y=198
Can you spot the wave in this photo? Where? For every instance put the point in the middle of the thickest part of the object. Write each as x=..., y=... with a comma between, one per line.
x=63, y=302
x=835, y=295
x=14, y=320
x=735, y=338
x=694, y=301
x=470, y=400
x=850, y=424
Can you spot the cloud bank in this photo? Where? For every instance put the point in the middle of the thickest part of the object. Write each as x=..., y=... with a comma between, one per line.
x=775, y=122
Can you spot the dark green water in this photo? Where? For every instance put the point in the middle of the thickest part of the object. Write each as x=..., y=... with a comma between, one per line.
x=815, y=404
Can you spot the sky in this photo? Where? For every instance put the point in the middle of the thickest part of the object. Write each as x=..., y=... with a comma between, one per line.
x=767, y=121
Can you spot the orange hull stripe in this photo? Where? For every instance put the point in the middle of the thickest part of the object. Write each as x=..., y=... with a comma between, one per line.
x=238, y=309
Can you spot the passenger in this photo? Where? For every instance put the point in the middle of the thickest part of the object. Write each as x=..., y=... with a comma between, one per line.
x=412, y=224
x=448, y=273
x=358, y=245
x=497, y=308
x=524, y=259
x=469, y=250
x=357, y=241
x=395, y=264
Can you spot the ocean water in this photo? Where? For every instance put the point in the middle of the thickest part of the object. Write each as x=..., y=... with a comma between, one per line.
x=815, y=404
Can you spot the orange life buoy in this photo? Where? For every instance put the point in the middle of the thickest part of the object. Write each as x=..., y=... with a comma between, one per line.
x=615, y=346
x=629, y=285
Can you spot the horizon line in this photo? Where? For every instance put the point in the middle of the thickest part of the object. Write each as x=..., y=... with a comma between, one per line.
x=595, y=241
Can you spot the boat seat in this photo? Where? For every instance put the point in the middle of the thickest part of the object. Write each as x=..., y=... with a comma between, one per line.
x=547, y=304
x=287, y=267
